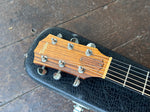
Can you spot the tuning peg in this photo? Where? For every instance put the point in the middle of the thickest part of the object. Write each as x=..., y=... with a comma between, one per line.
x=41, y=70
x=59, y=35
x=91, y=45
x=76, y=82
x=43, y=58
x=57, y=75
x=75, y=40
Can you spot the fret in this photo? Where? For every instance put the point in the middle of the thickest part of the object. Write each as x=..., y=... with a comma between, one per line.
x=126, y=76
x=145, y=83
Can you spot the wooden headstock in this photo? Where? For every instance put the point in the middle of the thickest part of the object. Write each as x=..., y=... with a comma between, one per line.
x=76, y=59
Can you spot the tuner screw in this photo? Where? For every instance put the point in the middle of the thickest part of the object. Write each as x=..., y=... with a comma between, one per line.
x=75, y=40
x=81, y=69
x=91, y=45
x=70, y=46
x=41, y=70
x=57, y=75
x=76, y=82
x=88, y=52
x=61, y=63
x=54, y=41
x=43, y=58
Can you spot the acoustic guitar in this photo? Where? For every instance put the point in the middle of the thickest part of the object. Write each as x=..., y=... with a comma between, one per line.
x=87, y=73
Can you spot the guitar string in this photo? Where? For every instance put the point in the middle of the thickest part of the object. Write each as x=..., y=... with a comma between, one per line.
x=120, y=66
x=77, y=65
x=117, y=61
x=127, y=86
x=128, y=82
x=130, y=69
x=130, y=78
x=74, y=62
x=130, y=73
x=123, y=79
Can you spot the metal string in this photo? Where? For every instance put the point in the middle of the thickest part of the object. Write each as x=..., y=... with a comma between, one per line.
x=116, y=77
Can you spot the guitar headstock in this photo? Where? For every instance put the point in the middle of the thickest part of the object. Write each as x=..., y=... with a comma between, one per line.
x=73, y=58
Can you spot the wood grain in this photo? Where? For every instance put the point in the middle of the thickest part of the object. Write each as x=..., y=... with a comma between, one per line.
x=95, y=65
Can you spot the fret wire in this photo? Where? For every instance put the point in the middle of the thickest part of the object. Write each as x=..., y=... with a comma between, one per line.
x=127, y=81
x=128, y=85
x=128, y=64
x=131, y=69
x=145, y=83
x=120, y=62
x=131, y=74
x=126, y=76
x=125, y=64
x=102, y=71
x=122, y=84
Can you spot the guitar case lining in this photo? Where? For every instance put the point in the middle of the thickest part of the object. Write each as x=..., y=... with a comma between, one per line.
x=95, y=93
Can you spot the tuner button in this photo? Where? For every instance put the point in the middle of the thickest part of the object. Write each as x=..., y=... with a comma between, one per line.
x=75, y=40
x=54, y=41
x=88, y=52
x=57, y=75
x=91, y=45
x=41, y=70
x=76, y=82
x=59, y=35
x=43, y=58
x=61, y=63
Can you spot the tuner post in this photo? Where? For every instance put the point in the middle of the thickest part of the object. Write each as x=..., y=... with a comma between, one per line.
x=57, y=75
x=41, y=70
x=43, y=58
x=76, y=82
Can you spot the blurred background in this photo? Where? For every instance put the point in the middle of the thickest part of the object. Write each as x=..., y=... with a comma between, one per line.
x=120, y=25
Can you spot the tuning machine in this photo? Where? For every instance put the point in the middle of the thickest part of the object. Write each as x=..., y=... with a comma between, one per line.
x=75, y=40
x=59, y=35
x=41, y=70
x=76, y=82
x=91, y=45
x=57, y=75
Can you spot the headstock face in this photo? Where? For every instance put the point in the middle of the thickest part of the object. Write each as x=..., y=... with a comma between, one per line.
x=76, y=59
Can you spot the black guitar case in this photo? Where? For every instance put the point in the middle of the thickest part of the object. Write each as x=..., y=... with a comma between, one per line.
x=95, y=93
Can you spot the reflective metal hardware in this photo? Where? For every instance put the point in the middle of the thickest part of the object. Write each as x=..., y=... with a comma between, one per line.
x=91, y=45
x=75, y=40
x=78, y=107
x=43, y=58
x=81, y=69
x=88, y=52
x=54, y=41
x=70, y=46
x=59, y=35
x=41, y=70
x=76, y=82
x=57, y=75
x=61, y=63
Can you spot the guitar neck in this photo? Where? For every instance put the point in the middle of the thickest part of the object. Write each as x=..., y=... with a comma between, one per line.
x=129, y=76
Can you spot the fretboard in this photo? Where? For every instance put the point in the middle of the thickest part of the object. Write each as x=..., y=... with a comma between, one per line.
x=130, y=76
